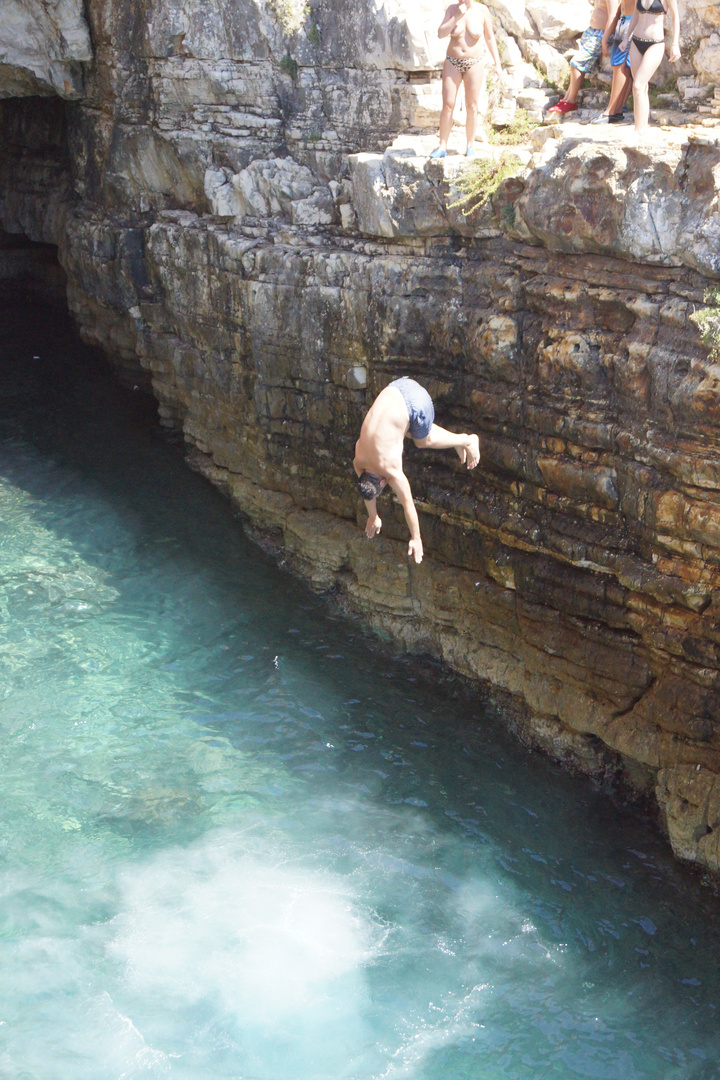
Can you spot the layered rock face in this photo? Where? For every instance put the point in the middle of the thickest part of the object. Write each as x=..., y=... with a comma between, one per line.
x=234, y=231
x=42, y=48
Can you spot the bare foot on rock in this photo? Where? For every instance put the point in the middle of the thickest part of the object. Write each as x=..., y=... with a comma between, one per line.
x=471, y=453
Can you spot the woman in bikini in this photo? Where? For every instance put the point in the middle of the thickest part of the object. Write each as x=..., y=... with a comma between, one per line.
x=647, y=34
x=469, y=27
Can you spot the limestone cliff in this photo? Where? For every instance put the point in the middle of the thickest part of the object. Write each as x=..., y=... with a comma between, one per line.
x=235, y=230
x=42, y=48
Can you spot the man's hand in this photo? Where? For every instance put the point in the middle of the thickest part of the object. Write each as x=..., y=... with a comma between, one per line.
x=373, y=527
x=415, y=549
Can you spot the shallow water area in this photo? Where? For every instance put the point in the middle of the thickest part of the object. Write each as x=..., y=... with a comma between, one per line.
x=239, y=840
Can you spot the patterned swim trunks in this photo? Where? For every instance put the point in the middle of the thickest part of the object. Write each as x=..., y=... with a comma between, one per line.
x=463, y=63
x=419, y=406
x=589, y=50
x=618, y=57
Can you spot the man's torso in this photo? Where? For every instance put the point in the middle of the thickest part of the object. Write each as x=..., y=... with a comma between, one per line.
x=380, y=446
x=600, y=15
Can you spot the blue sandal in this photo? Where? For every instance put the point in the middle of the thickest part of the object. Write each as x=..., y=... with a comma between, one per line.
x=439, y=153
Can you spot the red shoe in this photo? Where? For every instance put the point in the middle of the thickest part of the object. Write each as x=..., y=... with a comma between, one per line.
x=563, y=107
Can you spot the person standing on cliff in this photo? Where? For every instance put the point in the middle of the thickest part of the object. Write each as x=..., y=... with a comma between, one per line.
x=620, y=60
x=404, y=408
x=645, y=37
x=469, y=27
x=586, y=57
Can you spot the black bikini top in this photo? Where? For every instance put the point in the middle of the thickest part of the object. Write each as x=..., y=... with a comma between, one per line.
x=655, y=8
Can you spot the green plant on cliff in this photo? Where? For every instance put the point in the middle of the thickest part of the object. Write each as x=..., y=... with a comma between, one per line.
x=481, y=180
x=289, y=66
x=516, y=131
x=707, y=321
x=507, y=216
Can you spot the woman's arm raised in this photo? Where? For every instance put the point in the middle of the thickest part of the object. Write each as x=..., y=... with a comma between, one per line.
x=451, y=18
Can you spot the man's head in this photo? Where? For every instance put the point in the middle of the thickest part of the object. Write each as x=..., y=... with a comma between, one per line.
x=369, y=485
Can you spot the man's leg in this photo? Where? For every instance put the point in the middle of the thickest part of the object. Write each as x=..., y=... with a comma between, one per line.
x=620, y=89
x=568, y=102
x=467, y=447
x=576, y=81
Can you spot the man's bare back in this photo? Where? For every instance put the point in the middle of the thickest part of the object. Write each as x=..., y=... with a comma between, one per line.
x=402, y=409
x=380, y=447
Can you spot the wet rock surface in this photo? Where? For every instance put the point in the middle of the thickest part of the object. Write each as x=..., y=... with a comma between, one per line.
x=266, y=246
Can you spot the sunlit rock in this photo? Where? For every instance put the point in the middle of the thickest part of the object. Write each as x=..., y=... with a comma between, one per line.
x=548, y=59
x=559, y=21
x=42, y=48
x=655, y=202
x=706, y=60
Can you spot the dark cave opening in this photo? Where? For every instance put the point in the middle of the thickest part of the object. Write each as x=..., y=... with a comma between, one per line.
x=35, y=187
x=30, y=269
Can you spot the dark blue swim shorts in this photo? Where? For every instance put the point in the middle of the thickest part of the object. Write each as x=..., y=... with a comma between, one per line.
x=419, y=406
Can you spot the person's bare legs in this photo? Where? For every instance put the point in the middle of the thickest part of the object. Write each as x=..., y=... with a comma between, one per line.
x=474, y=79
x=451, y=79
x=644, y=67
x=620, y=89
x=467, y=447
x=576, y=81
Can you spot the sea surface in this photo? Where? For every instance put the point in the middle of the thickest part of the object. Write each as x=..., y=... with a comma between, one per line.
x=240, y=839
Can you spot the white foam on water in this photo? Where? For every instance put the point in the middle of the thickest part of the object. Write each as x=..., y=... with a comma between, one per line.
x=272, y=952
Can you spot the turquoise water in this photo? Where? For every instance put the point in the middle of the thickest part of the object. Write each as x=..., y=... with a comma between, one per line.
x=239, y=841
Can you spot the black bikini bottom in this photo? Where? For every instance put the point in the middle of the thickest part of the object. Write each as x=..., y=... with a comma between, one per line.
x=643, y=44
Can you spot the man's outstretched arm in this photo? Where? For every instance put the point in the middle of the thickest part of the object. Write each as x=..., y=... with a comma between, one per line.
x=401, y=487
x=374, y=524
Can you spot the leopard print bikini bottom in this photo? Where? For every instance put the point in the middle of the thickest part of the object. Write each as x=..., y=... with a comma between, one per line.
x=463, y=63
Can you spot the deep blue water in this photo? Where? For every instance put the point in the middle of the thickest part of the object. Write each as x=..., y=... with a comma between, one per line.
x=239, y=839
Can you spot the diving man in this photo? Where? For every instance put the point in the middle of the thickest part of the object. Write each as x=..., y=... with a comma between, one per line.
x=402, y=408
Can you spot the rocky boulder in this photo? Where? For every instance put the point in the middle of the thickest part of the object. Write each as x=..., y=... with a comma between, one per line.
x=657, y=202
